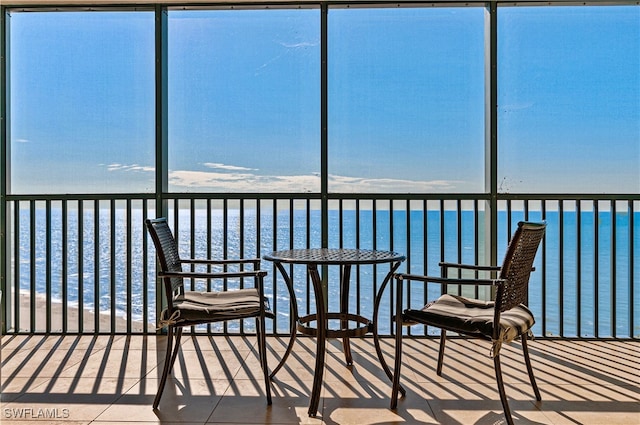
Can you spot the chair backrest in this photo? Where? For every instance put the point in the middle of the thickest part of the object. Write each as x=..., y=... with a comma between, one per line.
x=167, y=252
x=518, y=263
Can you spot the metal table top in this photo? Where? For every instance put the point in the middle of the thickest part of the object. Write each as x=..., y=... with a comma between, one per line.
x=336, y=256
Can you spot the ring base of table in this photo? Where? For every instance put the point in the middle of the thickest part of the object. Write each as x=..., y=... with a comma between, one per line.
x=305, y=328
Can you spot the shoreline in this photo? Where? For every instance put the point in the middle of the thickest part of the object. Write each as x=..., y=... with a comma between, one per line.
x=104, y=319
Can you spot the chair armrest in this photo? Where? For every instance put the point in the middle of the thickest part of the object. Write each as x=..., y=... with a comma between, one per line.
x=444, y=264
x=400, y=296
x=253, y=261
x=196, y=275
x=446, y=280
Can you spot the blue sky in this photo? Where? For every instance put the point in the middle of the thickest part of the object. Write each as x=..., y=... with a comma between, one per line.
x=577, y=118
x=406, y=100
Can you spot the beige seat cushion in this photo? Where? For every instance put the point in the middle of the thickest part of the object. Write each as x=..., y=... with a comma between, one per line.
x=204, y=306
x=472, y=316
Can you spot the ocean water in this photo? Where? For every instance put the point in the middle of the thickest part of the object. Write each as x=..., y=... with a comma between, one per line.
x=100, y=265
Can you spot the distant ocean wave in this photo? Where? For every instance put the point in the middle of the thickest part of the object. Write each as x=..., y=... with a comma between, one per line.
x=98, y=277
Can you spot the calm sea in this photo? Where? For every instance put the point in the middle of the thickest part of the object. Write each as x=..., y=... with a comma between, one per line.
x=580, y=275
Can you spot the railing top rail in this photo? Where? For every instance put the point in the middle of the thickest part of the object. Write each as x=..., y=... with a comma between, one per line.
x=337, y=196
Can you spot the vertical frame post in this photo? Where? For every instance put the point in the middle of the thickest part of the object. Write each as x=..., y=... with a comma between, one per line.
x=5, y=169
x=162, y=162
x=491, y=132
x=324, y=138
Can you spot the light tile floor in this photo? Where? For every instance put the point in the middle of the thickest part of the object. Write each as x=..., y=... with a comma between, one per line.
x=113, y=379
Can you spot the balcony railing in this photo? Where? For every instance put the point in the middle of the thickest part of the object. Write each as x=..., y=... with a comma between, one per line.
x=69, y=257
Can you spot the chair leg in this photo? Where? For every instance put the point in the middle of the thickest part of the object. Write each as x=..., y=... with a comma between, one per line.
x=443, y=340
x=503, y=394
x=176, y=349
x=527, y=360
x=167, y=366
x=262, y=352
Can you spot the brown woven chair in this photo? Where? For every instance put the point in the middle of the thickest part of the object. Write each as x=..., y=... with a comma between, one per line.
x=189, y=308
x=499, y=321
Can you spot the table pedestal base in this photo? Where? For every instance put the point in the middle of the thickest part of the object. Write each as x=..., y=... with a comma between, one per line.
x=305, y=329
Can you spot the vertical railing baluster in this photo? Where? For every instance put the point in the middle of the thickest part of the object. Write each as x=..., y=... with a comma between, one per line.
x=340, y=223
x=357, y=246
x=128, y=265
x=192, y=239
x=192, y=248
x=561, y=267
x=476, y=243
x=425, y=255
x=578, y=280
x=112, y=265
x=407, y=249
x=32, y=271
x=81, y=266
x=16, y=267
x=442, y=238
x=47, y=266
x=508, y=228
x=390, y=248
x=176, y=219
x=632, y=265
x=596, y=267
x=308, y=224
x=459, y=239
x=307, y=278
x=544, y=272
x=613, y=269
x=64, y=267
x=258, y=237
x=209, y=247
x=96, y=266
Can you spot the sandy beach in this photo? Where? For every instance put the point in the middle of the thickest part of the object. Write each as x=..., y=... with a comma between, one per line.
x=74, y=319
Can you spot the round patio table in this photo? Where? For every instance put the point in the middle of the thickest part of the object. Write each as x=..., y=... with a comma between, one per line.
x=345, y=258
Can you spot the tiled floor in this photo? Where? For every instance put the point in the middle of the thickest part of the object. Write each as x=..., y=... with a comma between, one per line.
x=108, y=380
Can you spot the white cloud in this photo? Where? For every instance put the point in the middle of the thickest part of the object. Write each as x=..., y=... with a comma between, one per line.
x=299, y=45
x=133, y=167
x=242, y=182
x=370, y=185
x=289, y=47
x=233, y=178
x=219, y=166
x=517, y=107
x=23, y=140
x=248, y=182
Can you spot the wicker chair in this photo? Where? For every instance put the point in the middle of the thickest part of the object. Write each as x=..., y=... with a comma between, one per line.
x=189, y=308
x=476, y=318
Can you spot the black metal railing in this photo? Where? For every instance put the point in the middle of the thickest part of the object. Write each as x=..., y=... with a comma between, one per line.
x=84, y=264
